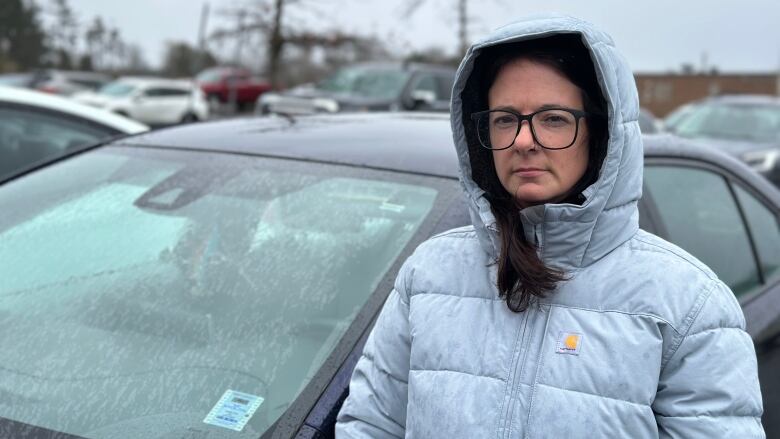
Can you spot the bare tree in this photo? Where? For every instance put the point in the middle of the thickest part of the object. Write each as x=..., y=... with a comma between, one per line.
x=106, y=49
x=64, y=34
x=463, y=19
x=94, y=37
x=266, y=24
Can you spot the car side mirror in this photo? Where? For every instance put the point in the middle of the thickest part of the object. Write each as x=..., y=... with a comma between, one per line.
x=423, y=97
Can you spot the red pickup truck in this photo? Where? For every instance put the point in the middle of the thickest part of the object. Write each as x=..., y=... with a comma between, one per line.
x=224, y=85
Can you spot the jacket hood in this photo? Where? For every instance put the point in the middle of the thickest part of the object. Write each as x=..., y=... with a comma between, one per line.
x=569, y=236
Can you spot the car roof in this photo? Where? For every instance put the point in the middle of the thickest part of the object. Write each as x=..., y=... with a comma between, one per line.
x=77, y=74
x=50, y=102
x=141, y=81
x=667, y=145
x=746, y=99
x=378, y=140
x=364, y=139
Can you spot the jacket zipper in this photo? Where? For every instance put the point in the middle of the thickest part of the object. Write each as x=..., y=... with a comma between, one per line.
x=517, y=371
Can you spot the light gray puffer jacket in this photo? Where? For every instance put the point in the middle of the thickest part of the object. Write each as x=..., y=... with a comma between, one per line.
x=642, y=342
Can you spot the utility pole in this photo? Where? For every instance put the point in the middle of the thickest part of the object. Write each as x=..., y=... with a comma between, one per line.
x=275, y=43
x=462, y=23
x=231, y=80
x=463, y=20
x=204, y=18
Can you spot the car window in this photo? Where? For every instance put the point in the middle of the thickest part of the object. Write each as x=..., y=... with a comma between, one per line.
x=118, y=89
x=759, y=123
x=383, y=83
x=701, y=216
x=89, y=83
x=427, y=83
x=765, y=228
x=15, y=79
x=152, y=282
x=28, y=136
x=165, y=92
x=209, y=76
x=445, y=84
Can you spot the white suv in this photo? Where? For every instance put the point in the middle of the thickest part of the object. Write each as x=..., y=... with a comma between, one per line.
x=154, y=101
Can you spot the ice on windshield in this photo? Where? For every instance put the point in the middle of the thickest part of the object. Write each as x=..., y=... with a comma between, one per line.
x=137, y=290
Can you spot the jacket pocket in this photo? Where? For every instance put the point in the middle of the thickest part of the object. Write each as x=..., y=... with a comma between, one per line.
x=611, y=354
x=598, y=375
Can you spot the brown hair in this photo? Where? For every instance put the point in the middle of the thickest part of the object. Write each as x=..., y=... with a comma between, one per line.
x=522, y=275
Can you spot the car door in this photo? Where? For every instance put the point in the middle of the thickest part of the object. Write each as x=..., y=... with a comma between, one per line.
x=427, y=92
x=725, y=223
x=728, y=224
x=159, y=105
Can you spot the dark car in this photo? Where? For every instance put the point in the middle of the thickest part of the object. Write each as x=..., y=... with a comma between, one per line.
x=368, y=87
x=746, y=126
x=220, y=279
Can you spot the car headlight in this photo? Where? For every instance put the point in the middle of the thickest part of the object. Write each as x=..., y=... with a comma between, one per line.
x=762, y=161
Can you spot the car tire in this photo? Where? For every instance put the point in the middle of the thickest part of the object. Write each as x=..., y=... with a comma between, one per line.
x=189, y=118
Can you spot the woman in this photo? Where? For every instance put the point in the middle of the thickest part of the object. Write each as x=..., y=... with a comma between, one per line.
x=553, y=315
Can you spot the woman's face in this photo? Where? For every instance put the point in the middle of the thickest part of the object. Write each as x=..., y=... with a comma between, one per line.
x=533, y=174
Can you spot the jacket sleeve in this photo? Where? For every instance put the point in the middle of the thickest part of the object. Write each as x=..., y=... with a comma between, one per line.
x=709, y=383
x=376, y=405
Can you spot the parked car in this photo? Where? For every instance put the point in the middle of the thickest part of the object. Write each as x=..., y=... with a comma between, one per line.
x=67, y=82
x=746, y=126
x=368, y=87
x=228, y=85
x=153, y=101
x=151, y=283
x=36, y=126
x=23, y=80
x=648, y=123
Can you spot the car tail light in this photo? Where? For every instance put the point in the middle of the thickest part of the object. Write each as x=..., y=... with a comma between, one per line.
x=49, y=89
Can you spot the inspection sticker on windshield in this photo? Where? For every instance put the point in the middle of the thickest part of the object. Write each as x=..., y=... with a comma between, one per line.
x=233, y=410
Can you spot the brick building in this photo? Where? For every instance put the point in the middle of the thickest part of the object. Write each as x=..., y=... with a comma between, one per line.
x=663, y=92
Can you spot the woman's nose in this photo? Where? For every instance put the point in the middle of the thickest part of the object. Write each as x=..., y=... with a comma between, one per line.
x=524, y=139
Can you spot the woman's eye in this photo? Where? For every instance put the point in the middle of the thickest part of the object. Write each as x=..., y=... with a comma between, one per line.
x=503, y=121
x=555, y=120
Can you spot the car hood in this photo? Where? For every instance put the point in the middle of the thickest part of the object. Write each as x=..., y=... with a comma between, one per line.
x=94, y=99
x=341, y=98
x=738, y=147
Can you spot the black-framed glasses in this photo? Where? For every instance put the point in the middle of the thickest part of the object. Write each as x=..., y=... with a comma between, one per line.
x=551, y=128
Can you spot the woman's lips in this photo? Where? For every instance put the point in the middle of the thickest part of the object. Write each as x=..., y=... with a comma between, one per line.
x=529, y=172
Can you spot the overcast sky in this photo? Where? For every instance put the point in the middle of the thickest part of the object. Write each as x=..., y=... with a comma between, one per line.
x=655, y=36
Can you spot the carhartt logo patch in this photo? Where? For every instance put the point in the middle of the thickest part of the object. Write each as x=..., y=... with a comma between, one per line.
x=569, y=343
